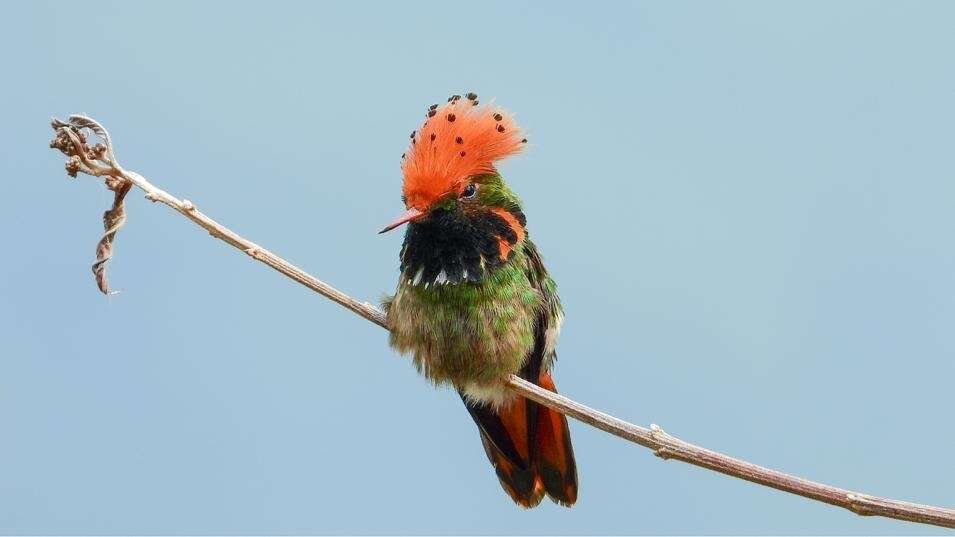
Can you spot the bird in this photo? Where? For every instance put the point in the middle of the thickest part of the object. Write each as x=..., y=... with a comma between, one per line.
x=474, y=303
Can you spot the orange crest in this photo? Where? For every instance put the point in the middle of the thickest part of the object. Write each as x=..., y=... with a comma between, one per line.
x=458, y=140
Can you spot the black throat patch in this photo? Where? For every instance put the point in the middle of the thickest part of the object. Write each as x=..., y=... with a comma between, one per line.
x=452, y=246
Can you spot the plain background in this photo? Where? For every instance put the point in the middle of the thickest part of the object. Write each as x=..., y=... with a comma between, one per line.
x=748, y=208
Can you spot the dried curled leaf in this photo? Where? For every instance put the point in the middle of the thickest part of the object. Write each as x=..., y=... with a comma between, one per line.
x=61, y=140
x=113, y=220
x=101, y=151
x=70, y=138
x=83, y=122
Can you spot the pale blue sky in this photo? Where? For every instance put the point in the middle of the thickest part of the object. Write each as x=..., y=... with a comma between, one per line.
x=748, y=208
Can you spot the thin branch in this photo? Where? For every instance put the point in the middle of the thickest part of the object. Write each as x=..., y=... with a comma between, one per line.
x=100, y=161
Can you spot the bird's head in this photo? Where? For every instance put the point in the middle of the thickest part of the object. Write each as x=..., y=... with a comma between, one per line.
x=451, y=189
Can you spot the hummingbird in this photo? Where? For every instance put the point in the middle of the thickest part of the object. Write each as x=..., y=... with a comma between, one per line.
x=474, y=303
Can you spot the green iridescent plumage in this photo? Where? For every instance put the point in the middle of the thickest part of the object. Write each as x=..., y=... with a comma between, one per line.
x=475, y=332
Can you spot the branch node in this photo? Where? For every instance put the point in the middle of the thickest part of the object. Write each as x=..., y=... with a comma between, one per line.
x=253, y=252
x=658, y=433
x=859, y=505
x=664, y=453
x=188, y=206
x=151, y=196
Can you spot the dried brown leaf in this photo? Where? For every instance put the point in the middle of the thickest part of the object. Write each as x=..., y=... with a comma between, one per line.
x=113, y=220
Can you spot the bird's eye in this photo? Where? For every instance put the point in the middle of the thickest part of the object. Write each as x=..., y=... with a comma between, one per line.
x=469, y=191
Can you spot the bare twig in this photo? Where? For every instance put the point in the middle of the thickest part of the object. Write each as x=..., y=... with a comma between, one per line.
x=100, y=161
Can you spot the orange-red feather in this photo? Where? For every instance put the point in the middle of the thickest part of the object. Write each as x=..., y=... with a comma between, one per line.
x=556, y=467
x=457, y=140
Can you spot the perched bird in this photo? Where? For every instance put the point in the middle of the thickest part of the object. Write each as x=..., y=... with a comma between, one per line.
x=474, y=303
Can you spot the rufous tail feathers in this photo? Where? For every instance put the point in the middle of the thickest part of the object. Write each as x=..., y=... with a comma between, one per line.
x=529, y=446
